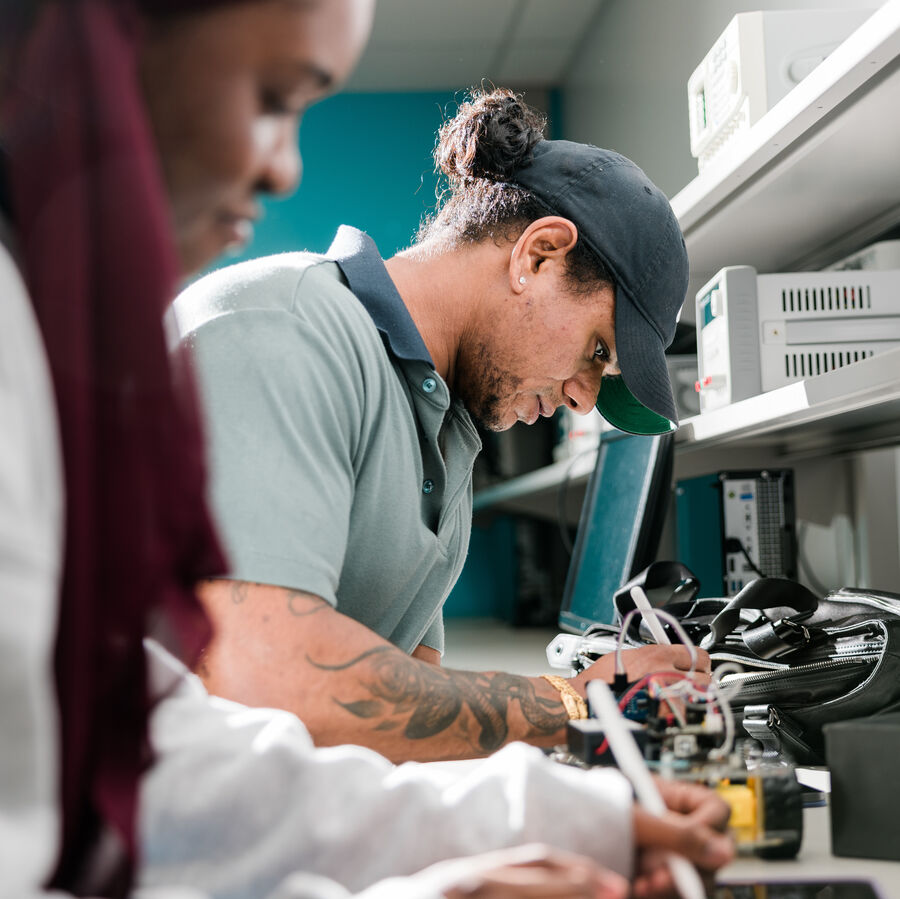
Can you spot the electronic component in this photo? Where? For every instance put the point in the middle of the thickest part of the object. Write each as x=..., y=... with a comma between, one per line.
x=759, y=332
x=765, y=799
x=757, y=60
x=631, y=763
x=684, y=729
x=735, y=526
x=728, y=364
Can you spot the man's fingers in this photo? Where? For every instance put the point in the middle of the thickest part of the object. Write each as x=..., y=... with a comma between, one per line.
x=649, y=659
x=682, y=659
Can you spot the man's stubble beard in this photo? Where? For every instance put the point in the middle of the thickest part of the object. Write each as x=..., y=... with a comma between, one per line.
x=482, y=387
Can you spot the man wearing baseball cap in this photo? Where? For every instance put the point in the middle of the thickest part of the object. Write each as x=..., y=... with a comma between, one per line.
x=342, y=393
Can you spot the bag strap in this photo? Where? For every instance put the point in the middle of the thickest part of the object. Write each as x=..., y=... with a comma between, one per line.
x=762, y=594
x=781, y=737
x=777, y=638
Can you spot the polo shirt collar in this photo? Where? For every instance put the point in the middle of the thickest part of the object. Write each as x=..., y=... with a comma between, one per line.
x=357, y=257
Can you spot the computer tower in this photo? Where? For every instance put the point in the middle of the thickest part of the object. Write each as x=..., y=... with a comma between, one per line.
x=735, y=526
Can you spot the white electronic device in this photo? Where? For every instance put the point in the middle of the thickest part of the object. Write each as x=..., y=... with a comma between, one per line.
x=881, y=256
x=757, y=60
x=759, y=332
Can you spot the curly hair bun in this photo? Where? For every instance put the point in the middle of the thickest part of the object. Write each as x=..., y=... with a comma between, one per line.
x=490, y=137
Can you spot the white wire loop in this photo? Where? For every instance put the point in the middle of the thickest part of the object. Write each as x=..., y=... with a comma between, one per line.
x=714, y=695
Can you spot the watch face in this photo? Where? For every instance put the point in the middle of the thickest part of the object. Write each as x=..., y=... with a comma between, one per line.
x=799, y=889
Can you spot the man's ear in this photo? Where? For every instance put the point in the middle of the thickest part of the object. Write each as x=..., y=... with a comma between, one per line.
x=548, y=239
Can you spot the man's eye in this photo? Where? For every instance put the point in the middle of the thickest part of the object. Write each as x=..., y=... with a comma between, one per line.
x=601, y=354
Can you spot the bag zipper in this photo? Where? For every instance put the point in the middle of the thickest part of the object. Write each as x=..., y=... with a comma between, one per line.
x=762, y=680
x=836, y=648
x=863, y=597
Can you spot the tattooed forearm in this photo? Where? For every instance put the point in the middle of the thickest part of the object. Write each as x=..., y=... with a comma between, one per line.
x=397, y=691
x=301, y=604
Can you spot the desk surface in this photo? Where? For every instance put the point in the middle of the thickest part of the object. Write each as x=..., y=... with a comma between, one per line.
x=815, y=861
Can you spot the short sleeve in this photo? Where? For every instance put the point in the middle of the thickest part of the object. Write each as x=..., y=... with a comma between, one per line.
x=434, y=636
x=282, y=426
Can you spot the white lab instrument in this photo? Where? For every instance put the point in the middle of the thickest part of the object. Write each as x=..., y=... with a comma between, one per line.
x=757, y=60
x=759, y=332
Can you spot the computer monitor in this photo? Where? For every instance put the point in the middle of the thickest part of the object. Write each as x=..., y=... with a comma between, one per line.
x=621, y=522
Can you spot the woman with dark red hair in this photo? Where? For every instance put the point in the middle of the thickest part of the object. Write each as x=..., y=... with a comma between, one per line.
x=134, y=137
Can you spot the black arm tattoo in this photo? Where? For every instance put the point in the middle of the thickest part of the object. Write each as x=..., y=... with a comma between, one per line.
x=301, y=604
x=431, y=699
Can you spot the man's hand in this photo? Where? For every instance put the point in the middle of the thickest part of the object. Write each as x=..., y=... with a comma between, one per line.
x=645, y=660
x=535, y=872
x=694, y=828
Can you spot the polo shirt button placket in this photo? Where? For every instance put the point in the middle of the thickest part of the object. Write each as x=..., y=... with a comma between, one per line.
x=429, y=385
x=427, y=485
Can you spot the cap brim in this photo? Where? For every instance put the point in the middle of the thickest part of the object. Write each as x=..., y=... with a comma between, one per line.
x=639, y=400
x=617, y=405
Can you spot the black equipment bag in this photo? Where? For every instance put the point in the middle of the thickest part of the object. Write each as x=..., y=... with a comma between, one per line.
x=806, y=662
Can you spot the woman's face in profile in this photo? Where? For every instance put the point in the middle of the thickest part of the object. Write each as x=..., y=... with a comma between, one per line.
x=225, y=91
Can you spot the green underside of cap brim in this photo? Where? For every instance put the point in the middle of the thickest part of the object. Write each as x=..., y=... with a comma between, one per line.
x=617, y=405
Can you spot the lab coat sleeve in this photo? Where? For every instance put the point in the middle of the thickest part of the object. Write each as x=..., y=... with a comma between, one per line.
x=427, y=884
x=239, y=799
x=30, y=558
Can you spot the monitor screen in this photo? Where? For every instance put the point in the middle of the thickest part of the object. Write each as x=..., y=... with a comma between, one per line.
x=620, y=526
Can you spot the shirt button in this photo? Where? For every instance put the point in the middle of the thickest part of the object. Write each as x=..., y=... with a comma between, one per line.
x=429, y=385
x=427, y=486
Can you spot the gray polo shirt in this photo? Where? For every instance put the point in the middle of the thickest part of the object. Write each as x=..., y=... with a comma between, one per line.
x=341, y=465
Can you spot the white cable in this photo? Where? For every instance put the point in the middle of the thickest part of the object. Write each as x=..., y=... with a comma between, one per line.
x=724, y=750
x=631, y=763
x=717, y=693
x=648, y=613
x=670, y=619
x=723, y=695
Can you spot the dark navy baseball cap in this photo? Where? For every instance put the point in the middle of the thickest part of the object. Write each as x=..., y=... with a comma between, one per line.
x=627, y=222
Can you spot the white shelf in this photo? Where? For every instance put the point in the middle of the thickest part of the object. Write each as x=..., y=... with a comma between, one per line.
x=817, y=176
x=538, y=492
x=849, y=408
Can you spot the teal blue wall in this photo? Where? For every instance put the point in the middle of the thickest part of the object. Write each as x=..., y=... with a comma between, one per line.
x=366, y=162
x=487, y=586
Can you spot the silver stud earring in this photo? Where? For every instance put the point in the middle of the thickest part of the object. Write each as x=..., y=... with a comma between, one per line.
x=521, y=279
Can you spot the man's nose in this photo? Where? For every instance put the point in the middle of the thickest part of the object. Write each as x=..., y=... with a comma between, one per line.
x=580, y=392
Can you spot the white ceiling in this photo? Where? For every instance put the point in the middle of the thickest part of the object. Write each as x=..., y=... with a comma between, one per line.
x=453, y=44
